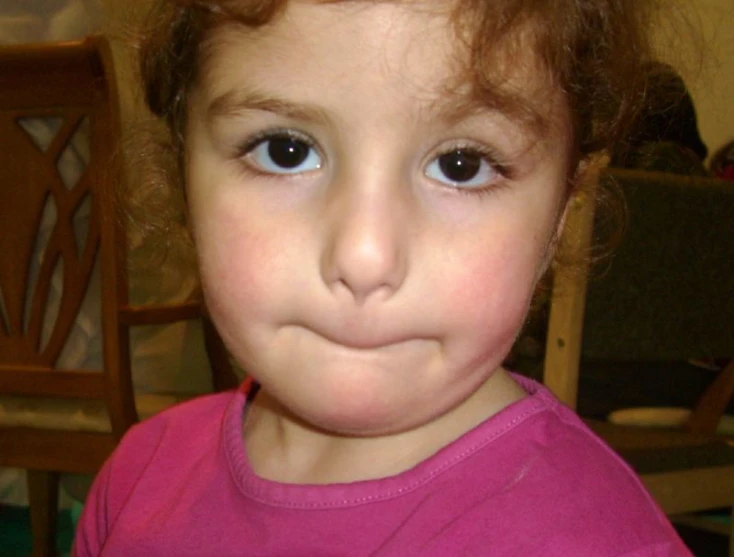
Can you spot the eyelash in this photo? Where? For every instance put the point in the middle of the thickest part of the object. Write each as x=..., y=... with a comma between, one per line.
x=273, y=133
x=490, y=156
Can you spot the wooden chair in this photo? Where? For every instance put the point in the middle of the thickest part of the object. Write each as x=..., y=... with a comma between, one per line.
x=78, y=415
x=667, y=295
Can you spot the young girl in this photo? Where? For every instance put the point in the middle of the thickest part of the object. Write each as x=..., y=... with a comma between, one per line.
x=375, y=189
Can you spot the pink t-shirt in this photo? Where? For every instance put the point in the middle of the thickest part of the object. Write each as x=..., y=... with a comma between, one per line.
x=531, y=480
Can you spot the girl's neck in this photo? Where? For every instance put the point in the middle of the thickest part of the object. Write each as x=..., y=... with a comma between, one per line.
x=282, y=448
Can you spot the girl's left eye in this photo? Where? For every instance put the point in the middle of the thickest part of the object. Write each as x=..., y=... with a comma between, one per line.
x=283, y=154
x=462, y=168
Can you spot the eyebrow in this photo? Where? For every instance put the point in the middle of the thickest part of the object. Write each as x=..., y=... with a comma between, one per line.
x=460, y=106
x=452, y=108
x=234, y=102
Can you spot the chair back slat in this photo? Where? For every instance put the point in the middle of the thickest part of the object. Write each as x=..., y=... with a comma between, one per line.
x=31, y=381
x=66, y=73
x=59, y=130
x=45, y=168
x=21, y=216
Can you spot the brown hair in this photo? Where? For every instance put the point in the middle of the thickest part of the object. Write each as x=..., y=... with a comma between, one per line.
x=594, y=50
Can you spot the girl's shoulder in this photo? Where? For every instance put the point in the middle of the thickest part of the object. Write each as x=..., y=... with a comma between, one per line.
x=154, y=455
x=167, y=440
x=179, y=425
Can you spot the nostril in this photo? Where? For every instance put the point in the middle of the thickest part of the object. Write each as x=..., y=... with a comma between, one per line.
x=367, y=270
x=361, y=296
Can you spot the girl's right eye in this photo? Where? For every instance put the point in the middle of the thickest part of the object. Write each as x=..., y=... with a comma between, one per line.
x=282, y=153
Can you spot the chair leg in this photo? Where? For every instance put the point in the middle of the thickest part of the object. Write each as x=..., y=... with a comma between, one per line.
x=712, y=404
x=43, y=501
x=731, y=534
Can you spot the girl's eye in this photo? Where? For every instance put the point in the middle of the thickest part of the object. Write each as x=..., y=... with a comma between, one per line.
x=462, y=168
x=283, y=154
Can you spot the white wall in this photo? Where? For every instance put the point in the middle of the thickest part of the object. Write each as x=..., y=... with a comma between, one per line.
x=703, y=50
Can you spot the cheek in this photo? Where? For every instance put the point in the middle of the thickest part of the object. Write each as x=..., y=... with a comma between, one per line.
x=490, y=294
x=236, y=254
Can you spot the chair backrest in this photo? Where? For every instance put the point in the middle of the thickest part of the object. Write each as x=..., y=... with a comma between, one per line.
x=666, y=294
x=59, y=131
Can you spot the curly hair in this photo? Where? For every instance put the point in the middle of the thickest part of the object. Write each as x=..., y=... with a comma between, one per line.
x=595, y=51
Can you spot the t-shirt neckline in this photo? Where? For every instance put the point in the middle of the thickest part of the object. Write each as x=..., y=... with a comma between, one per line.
x=306, y=496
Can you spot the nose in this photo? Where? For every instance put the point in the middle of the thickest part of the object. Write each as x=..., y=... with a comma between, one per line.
x=365, y=252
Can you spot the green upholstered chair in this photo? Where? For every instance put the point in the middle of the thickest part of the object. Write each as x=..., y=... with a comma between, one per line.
x=665, y=295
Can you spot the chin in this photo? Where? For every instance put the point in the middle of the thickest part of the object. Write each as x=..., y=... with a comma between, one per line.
x=361, y=407
x=372, y=408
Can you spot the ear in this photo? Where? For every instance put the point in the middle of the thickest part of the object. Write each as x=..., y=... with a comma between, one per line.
x=555, y=238
x=572, y=187
x=582, y=181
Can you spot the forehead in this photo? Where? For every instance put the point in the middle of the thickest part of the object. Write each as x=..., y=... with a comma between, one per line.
x=339, y=36
x=419, y=43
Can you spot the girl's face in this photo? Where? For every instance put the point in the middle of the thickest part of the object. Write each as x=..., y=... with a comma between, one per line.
x=369, y=239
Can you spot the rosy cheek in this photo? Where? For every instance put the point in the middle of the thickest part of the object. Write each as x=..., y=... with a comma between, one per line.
x=490, y=294
x=235, y=260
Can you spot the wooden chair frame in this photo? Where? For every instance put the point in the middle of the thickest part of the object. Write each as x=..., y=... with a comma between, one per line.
x=73, y=81
x=706, y=479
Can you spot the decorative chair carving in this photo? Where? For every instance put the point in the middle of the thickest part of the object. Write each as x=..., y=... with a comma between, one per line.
x=60, y=237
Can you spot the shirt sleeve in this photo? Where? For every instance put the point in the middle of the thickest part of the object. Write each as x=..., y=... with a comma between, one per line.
x=93, y=527
x=114, y=484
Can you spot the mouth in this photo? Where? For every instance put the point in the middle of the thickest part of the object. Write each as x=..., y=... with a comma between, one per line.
x=364, y=341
